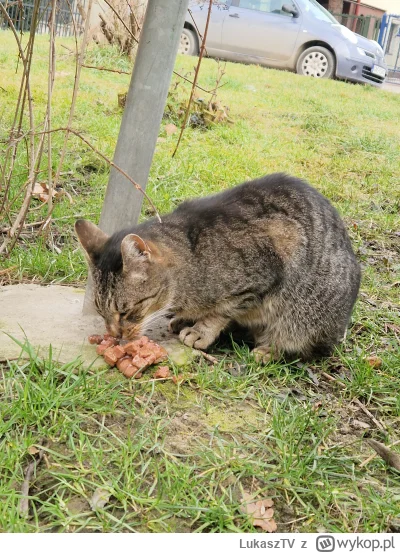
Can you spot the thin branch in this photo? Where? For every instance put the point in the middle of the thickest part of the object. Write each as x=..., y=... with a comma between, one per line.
x=107, y=69
x=111, y=163
x=122, y=21
x=129, y=73
x=78, y=66
x=390, y=457
x=50, y=84
x=195, y=78
x=355, y=400
x=24, y=502
x=197, y=29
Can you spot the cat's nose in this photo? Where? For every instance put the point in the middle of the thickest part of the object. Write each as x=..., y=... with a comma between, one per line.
x=113, y=330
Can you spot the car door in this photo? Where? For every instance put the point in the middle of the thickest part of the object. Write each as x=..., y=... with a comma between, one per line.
x=197, y=15
x=260, y=28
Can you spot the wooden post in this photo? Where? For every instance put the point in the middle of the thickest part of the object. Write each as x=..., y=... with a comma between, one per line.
x=142, y=116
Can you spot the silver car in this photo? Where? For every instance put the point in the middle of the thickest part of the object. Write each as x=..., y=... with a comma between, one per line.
x=297, y=35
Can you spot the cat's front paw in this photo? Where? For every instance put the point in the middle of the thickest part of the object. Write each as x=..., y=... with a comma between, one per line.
x=176, y=324
x=196, y=338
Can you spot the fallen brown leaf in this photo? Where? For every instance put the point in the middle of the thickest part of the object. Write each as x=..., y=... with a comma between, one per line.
x=374, y=361
x=42, y=191
x=260, y=512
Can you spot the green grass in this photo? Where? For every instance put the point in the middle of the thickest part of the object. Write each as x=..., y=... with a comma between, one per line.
x=177, y=458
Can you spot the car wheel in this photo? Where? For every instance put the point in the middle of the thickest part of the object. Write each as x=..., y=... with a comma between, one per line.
x=188, y=44
x=317, y=62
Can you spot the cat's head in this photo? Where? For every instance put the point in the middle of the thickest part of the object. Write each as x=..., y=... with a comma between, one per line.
x=129, y=279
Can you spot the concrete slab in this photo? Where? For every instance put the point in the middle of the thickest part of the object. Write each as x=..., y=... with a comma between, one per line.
x=46, y=315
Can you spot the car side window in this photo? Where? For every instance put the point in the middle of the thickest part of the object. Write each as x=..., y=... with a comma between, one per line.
x=266, y=6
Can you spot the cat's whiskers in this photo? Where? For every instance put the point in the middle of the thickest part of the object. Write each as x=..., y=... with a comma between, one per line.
x=154, y=317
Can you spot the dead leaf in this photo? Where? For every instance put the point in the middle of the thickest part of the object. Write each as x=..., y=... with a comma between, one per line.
x=171, y=129
x=374, y=361
x=42, y=191
x=260, y=512
x=100, y=498
x=33, y=450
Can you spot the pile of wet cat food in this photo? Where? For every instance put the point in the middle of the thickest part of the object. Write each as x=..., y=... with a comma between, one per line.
x=131, y=358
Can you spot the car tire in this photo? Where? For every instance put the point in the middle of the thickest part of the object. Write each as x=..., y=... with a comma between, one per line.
x=317, y=62
x=188, y=43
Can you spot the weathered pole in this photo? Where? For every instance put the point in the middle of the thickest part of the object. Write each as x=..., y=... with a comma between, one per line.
x=142, y=116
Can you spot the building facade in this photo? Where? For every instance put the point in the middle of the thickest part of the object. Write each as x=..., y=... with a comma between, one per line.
x=368, y=7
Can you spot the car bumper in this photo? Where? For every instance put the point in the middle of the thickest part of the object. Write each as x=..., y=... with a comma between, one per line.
x=360, y=70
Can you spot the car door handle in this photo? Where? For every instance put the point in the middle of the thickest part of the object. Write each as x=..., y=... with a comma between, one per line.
x=233, y=15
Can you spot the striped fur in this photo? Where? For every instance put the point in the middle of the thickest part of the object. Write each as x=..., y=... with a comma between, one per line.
x=271, y=255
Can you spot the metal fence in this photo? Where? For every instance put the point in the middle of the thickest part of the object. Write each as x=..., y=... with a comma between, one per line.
x=21, y=13
x=365, y=25
x=389, y=39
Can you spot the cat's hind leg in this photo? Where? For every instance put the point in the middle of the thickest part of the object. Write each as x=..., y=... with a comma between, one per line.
x=264, y=350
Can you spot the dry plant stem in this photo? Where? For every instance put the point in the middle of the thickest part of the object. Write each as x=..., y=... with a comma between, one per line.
x=122, y=21
x=112, y=164
x=24, y=503
x=128, y=73
x=79, y=61
x=374, y=455
x=195, y=77
x=49, y=98
x=377, y=423
x=390, y=457
x=12, y=137
x=209, y=357
x=198, y=32
x=357, y=402
x=220, y=74
x=139, y=28
x=106, y=69
x=25, y=93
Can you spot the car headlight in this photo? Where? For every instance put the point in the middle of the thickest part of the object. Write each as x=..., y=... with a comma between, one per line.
x=365, y=53
x=348, y=34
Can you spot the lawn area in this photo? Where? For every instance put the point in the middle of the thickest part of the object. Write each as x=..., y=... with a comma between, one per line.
x=178, y=458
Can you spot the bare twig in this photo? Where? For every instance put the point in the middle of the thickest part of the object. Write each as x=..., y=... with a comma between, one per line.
x=209, y=357
x=198, y=30
x=33, y=157
x=79, y=61
x=195, y=78
x=50, y=83
x=357, y=402
x=377, y=423
x=107, y=69
x=24, y=503
x=390, y=457
x=111, y=163
x=371, y=457
x=129, y=73
x=122, y=21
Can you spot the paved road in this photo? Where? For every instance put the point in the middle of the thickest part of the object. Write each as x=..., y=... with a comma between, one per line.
x=392, y=87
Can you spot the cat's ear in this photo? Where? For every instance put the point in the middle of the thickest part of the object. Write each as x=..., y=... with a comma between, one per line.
x=91, y=238
x=134, y=249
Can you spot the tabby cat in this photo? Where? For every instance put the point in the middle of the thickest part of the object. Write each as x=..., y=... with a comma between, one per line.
x=271, y=255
